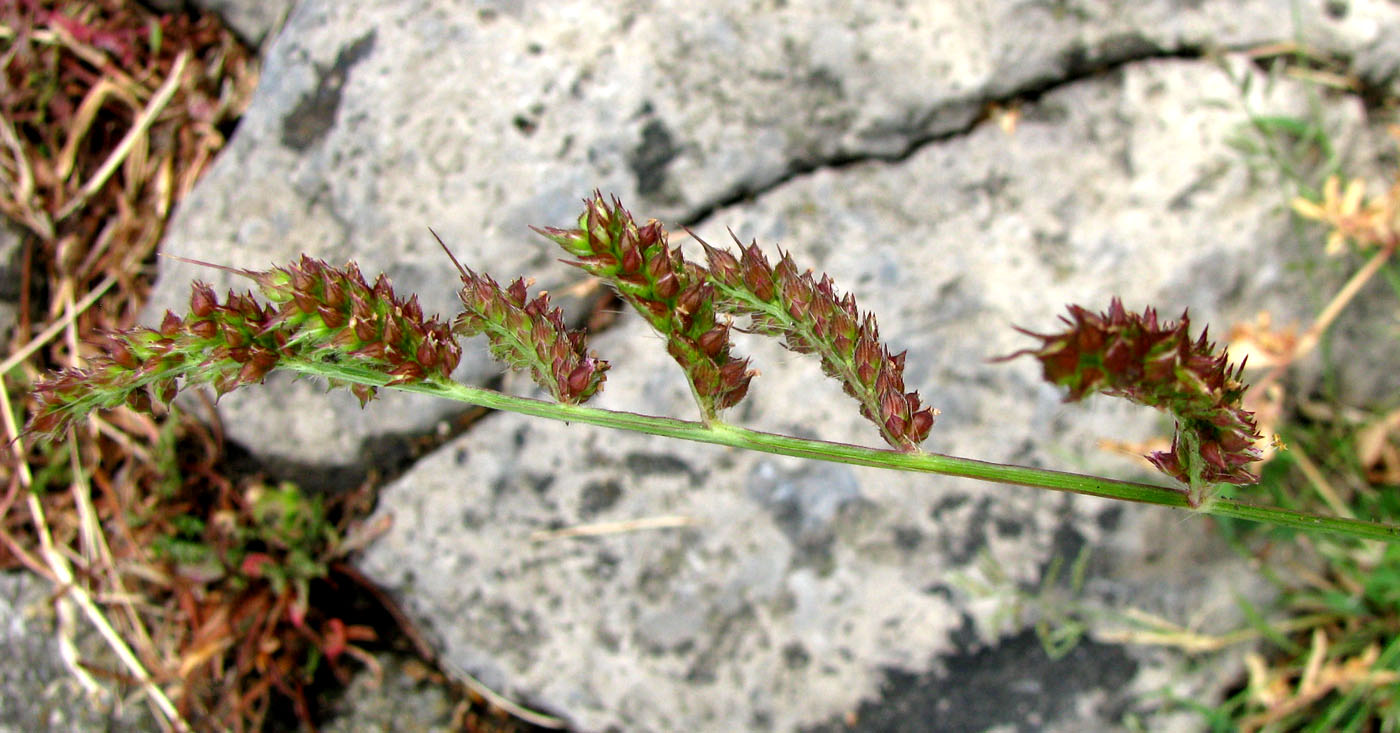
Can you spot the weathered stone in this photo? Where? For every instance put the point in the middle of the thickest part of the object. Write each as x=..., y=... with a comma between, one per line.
x=11, y=250
x=254, y=21
x=374, y=121
x=394, y=699
x=807, y=592
x=36, y=691
x=804, y=592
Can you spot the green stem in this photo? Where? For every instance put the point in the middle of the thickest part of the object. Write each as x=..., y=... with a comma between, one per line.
x=736, y=437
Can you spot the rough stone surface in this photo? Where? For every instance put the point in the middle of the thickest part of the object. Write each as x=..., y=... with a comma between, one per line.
x=809, y=591
x=374, y=121
x=394, y=700
x=36, y=691
x=254, y=21
x=11, y=250
x=805, y=596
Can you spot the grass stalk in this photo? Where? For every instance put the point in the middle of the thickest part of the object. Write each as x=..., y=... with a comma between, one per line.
x=718, y=433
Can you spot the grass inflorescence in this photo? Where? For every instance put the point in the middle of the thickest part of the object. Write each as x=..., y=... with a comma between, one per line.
x=526, y=333
x=112, y=113
x=675, y=296
x=329, y=322
x=811, y=318
x=1159, y=365
x=314, y=312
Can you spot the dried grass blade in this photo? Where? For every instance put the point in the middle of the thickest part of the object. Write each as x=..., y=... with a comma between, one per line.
x=31, y=216
x=64, y=573
x=82, y=122
x=19, y=357
x=533, y=717
x=669, y=521
x=143, y=123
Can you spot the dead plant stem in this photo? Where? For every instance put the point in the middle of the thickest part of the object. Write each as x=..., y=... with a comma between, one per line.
x=1310, y=338
x=138, y=129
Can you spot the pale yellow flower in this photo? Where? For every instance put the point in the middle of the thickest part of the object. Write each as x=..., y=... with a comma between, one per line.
x=1349, y=214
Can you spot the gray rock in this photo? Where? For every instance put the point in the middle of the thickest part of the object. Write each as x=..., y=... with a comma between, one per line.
x=11, y=250
x=374, y=121
x=391, y=701
x=808, y=592
x=36, y=691
x=805, y=592
x=254, y=21
x=1368, y=40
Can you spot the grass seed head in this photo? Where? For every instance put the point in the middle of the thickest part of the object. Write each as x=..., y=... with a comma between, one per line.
x=812, y=318
x=671, y=293
x=526, y=333
x=315, y=311
x=1155, y=363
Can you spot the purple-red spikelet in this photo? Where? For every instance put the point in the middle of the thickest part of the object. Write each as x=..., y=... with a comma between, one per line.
x=317, y=312
x=812, y=318
x=1158, y=364
x=526, y=333
x=338, y=314
x=671, y=293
